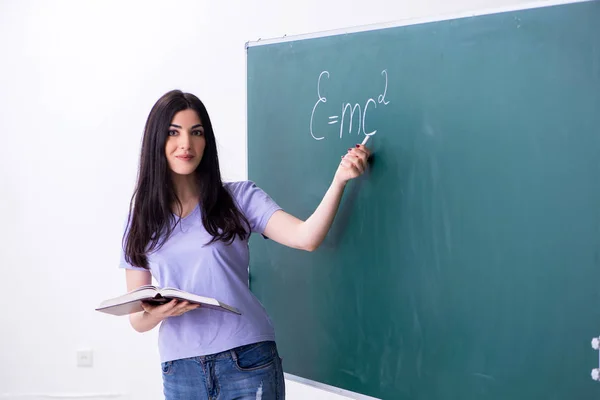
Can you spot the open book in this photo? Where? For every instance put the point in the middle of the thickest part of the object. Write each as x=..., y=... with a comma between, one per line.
x=131, y=302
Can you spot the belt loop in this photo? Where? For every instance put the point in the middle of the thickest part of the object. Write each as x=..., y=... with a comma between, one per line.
x=233, y=355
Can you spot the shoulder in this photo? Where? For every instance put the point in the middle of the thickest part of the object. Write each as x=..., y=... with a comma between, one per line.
x=256, y=205
x=248, y=194
x=239, y=189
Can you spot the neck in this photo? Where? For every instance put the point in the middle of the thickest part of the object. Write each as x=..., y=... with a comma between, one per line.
x=187, y=192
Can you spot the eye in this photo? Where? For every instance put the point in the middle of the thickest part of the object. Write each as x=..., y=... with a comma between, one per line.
x=172, y=132
x=198, y=133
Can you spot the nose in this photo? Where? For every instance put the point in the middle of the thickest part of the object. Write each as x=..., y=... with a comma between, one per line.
x=184, y=141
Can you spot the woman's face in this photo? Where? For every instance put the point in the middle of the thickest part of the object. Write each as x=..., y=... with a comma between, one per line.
x=186, y=142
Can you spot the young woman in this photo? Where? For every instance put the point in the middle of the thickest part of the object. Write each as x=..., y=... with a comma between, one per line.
x=190, y=230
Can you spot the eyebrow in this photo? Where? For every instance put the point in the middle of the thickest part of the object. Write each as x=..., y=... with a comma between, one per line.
x=193, y=127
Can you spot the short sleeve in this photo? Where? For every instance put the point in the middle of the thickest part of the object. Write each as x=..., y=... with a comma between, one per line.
x=256, y=205
x=125, y=265
x=122, y=262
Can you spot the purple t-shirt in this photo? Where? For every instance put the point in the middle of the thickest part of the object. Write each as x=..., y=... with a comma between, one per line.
x=218, y=270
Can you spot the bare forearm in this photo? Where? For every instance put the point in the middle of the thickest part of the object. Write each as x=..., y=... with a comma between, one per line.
x=315, y=228
x=143, y=321
x=307, y=235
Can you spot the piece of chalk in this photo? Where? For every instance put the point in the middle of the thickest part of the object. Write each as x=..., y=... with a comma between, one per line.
x=366, y=140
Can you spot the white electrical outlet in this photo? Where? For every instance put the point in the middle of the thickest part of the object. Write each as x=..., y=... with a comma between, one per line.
x=85, y=358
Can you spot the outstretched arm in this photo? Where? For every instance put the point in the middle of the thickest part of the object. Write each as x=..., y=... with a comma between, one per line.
x=308, y=235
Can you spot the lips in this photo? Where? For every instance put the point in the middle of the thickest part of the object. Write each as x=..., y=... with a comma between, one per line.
x=186, y=157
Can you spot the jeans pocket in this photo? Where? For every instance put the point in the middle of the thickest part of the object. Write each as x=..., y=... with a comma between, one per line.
x=167, y=367
x=255, y=356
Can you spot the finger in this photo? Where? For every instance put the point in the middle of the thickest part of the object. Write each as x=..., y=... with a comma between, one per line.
x=166, y=308
x=363, y=149
x=180, y=311
x=350, y=166
x=355, y=162
x=360, y=153
x=361, y=157
x=359, y=149
x=181, y=307
x=189, y=308
x=346, y=163
x=182, y=304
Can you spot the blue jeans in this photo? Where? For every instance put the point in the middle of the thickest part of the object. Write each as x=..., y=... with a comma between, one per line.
x=248, y=372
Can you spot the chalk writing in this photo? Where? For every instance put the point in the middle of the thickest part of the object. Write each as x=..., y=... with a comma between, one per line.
x=348, y=109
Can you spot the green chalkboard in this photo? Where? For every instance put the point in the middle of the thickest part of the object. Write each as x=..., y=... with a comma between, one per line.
x=464, y=264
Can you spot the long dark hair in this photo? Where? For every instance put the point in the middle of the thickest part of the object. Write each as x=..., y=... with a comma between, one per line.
x=151, y=220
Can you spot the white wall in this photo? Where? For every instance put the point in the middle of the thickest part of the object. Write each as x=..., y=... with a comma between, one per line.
x=77, y=80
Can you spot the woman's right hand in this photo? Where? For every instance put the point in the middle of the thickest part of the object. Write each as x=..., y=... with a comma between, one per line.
x=173, y=308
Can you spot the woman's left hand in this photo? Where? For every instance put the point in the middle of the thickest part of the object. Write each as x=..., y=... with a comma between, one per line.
x=353, y=164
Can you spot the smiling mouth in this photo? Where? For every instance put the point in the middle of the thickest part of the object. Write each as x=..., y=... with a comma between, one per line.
x=184, y=158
